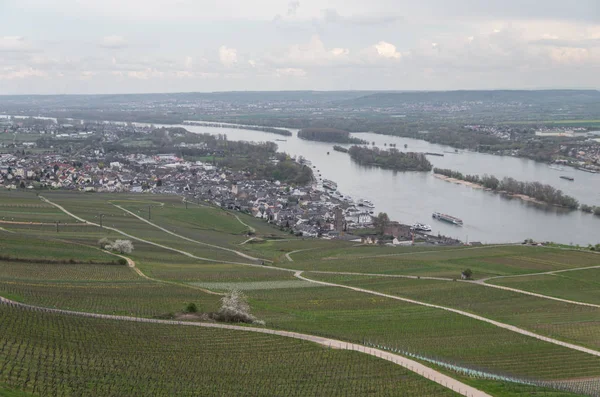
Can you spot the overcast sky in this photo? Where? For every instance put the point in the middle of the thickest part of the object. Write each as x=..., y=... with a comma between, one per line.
x=121, y=46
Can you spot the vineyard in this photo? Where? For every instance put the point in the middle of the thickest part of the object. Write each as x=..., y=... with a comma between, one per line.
x=575, y=324
x=182, y=257
x=580, y=285
x=50, y=354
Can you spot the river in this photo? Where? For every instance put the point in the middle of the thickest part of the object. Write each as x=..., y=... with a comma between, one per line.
x=411, y=197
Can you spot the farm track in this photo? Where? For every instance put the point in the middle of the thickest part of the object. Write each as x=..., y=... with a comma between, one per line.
x=498, y=324
x=289, y=254
x=402, y=361
x=238, y=253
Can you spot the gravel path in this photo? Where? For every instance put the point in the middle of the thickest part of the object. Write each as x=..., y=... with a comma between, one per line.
x=289, y=257
x=409, y=364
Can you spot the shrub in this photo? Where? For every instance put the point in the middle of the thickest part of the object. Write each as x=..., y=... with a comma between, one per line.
x=191, y=308
x=467, y=274
x=122, y=262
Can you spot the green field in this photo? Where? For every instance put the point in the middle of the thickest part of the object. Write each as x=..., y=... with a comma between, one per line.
x=484, y=262
x=340, y=313
x=563, y=321
x=579, y=285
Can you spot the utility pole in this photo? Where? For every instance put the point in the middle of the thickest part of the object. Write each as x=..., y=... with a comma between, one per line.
x=56, y=226
x=185, y=204
x=149, y=214
x=101, y=216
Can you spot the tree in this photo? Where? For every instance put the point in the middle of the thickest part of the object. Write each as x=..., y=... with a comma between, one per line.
x=122, y=246
x=235, y=309
x=104, y=242
x=467, y=274
x=381, y=221
x=191, y=308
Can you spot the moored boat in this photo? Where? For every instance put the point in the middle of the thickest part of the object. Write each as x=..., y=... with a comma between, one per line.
x=328, y=184
x=568, y=178
x=447, y=218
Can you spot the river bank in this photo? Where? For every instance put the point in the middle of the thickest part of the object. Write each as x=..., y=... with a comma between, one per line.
x=502, y=192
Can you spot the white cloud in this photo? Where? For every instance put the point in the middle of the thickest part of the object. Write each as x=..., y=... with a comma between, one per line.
x=113, y=42
x=290, y=72
x=313, y=53
x=145, y=74
x=228, y=56
x=11, y=73
x=387, y=50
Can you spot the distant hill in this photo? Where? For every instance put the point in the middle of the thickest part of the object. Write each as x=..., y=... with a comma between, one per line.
x=392, y=99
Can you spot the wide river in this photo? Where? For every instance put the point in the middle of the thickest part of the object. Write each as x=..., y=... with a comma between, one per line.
x=411, y=197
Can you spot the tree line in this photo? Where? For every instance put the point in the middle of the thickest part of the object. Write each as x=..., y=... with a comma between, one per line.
x=539, y=191
x=391, y=159
x=329, y=135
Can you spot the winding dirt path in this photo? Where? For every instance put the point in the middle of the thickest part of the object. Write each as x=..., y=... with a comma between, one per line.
x=498, y=324
x=289, y=254
x=404, y=362
x=253, y=230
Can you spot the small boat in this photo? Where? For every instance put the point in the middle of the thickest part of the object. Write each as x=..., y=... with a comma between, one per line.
x=281, y=140
x=434, y=154
x=568, y=178
x=365, y=203
x=447, y=218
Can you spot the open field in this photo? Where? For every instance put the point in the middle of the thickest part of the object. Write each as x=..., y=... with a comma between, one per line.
x=563, y=321
x=50, y=354
x=579, y=285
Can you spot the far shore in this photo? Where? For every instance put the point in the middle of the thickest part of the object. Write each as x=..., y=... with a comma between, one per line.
x=477, y=186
